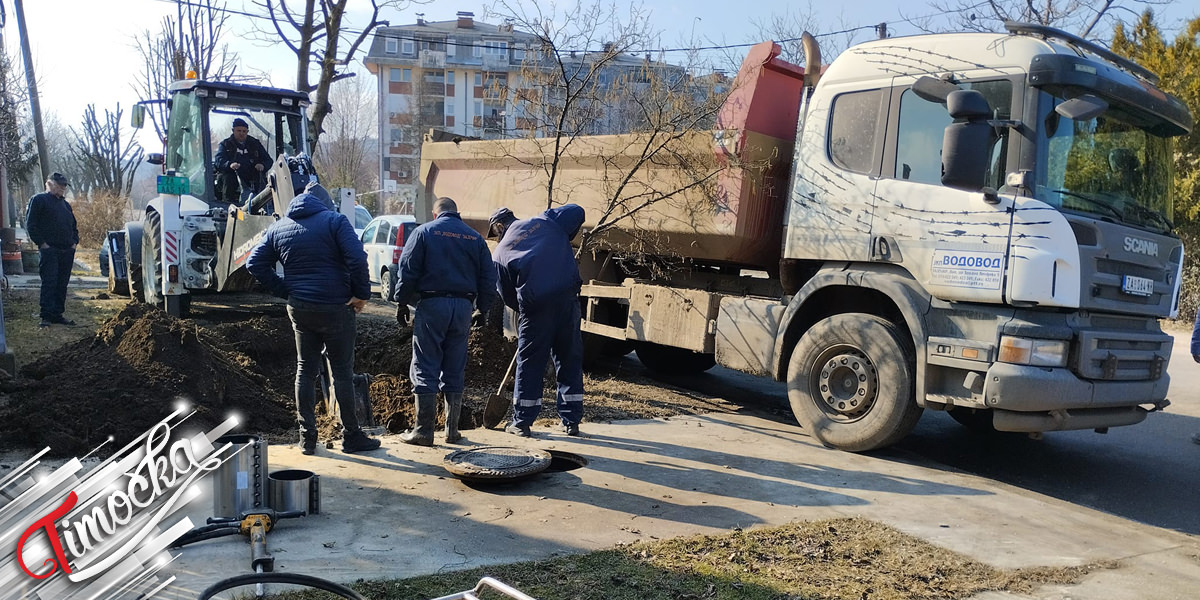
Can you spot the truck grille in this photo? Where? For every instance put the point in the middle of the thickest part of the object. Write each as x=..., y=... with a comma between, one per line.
x=1122, y=355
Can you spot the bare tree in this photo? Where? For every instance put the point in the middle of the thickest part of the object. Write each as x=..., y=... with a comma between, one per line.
x=108, y=162
x=787, y=28
x=319, y=31
x=347, y=156
x=191, y=41
x=1086, y=18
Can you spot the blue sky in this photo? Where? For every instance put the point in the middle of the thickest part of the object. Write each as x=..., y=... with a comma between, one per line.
x=83, y=49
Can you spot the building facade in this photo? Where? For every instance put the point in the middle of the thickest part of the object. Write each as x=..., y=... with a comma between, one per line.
x=452, y=76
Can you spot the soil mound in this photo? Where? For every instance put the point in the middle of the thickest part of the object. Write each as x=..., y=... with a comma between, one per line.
x=128, y=377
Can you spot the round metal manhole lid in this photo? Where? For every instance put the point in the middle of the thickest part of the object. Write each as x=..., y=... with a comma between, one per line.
x=496, y=463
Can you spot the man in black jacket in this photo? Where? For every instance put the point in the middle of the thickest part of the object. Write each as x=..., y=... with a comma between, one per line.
x=240, y=162
x=51, y=225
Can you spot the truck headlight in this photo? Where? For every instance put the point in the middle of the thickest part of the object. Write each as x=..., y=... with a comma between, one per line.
x=1028, y=351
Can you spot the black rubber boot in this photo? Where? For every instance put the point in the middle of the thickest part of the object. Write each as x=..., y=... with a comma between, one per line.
x=422, y=433
x=308, y=443
x=453, y=412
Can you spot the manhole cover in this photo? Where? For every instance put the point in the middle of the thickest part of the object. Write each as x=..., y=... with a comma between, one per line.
x=496, y=462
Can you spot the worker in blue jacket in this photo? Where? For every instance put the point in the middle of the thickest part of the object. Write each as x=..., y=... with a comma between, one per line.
x=446, y=270
x=51, y=225
x=326, y=285
x=241, y=163
x=538, y=277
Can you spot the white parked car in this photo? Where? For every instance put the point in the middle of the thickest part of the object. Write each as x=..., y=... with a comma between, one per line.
x=383, y=239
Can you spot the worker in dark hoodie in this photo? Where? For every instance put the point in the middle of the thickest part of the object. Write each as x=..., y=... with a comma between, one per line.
x=538, y=277
x=325, y=282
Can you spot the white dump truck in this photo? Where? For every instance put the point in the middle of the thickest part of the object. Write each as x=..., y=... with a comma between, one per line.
x=978, y=223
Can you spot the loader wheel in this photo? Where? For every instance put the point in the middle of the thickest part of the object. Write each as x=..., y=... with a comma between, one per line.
x=116, y=286
x=850, y=382
x=152, y=258
x=673, y=361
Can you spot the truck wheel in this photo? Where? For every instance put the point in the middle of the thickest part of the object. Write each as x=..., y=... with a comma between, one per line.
x=850, y=382
x=116, y=286
x=673, y=361
x=152, y=258
x=385, y=285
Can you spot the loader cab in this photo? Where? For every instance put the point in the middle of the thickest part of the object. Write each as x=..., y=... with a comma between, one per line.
x=202, y=114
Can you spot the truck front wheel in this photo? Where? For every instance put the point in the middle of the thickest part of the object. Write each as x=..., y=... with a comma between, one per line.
x=850, y=382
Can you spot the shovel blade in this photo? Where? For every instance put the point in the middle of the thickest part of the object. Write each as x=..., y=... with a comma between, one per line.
x=495, y=411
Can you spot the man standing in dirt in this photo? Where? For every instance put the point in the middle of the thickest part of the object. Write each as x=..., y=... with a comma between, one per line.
x=326, y=285
x=51, y=225
x=539, y=278
x=446, y=268
x=240, y=162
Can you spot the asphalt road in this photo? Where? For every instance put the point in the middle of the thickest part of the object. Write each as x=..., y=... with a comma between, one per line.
x=1149, y=472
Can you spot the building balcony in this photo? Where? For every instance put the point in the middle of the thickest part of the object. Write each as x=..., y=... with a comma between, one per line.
x=432, y=59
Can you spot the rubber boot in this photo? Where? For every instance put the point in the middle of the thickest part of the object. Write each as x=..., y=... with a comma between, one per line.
x=422, y=434
x=453, y=411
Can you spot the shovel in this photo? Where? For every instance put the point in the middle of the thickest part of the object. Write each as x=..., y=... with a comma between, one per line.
x=497, y=405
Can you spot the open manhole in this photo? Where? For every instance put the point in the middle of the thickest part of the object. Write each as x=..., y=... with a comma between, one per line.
x=496, y=463
x=565, y=461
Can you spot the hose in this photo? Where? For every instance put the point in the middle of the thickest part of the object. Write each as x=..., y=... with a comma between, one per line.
x=192, y=537
x=292, y=578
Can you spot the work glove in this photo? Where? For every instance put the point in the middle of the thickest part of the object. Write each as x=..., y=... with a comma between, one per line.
x=403, y=315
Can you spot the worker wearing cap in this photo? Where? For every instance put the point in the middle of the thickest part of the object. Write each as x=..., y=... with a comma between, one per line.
x=51, y=225
x=446, y=270
x=539, y=278
x=240, y=162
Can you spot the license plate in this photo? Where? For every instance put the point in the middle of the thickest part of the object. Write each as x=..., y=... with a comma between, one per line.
x=1137, y=286
x=173, y=185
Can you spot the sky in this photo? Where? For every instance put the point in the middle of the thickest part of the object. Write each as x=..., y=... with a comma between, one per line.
x=83, y=50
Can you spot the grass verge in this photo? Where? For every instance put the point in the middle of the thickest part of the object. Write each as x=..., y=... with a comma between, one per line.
x=840, y=559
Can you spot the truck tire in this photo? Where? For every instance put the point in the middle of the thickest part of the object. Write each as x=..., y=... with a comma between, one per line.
x=850, y=382
x=385, y=285
x=116, y=286
x=152, y=259
x=673, y=361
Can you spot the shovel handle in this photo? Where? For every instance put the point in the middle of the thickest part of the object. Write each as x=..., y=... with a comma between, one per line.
x=508, y=373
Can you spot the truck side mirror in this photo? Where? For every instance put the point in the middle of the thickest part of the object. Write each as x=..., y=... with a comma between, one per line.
x=933, y=90
x=137, y=116
x=967, y=142
x=155, y=158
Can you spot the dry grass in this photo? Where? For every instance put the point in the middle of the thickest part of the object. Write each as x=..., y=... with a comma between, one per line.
x=28, y=342
x=841, y=559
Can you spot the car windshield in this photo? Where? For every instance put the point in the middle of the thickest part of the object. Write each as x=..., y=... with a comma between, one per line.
x=1106, y=166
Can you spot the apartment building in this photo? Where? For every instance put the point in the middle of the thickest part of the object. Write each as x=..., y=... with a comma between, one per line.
x=453, y=76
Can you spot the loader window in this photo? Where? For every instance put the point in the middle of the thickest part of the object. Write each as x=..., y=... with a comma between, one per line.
x=185, y=142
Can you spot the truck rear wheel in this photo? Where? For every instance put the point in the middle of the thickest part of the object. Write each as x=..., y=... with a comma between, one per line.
x=673, y=361
x=850, y=382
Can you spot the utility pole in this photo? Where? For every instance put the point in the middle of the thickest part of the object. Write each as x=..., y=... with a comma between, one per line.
x=35, y=107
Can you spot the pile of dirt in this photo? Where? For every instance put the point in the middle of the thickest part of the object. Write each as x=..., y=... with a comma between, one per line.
x=128, y=377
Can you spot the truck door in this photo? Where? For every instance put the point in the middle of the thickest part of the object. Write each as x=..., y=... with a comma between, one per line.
x=953, y=241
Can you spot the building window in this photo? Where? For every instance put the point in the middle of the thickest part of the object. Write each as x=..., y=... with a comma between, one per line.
x=397, y=135
x=390, y=46
x=406, y=47
x=406, y=75
x=478, y=79
x=495, y=48
x=449, y=77
x=519, y=52
x=478, y=108
x=394, y=75
x=852, y=129
x=476, y=50
x=449, y=109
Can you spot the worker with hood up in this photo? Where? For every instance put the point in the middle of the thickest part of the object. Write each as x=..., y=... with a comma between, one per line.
x=325, y=282
x=538, y=277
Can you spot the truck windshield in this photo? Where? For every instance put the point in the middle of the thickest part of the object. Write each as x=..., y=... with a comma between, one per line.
x=1106, y=166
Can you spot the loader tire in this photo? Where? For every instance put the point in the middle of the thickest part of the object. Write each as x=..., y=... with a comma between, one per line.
x=851, y=382
x=152, y=259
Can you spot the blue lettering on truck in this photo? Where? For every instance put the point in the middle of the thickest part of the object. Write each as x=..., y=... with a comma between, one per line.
x=967, y=269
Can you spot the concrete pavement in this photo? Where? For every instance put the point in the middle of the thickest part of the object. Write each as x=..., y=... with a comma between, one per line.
x=396, y=513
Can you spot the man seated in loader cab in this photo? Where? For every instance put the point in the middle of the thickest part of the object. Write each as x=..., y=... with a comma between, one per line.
x=241, y=164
